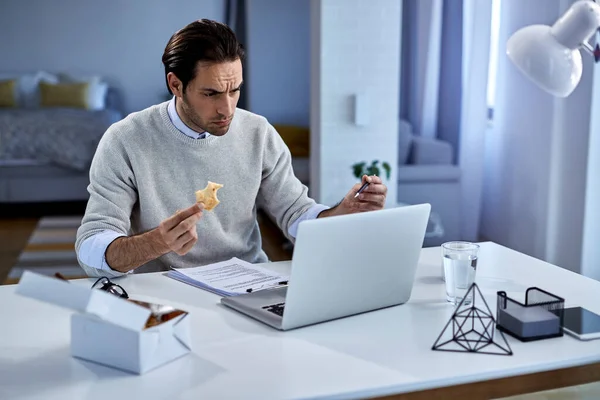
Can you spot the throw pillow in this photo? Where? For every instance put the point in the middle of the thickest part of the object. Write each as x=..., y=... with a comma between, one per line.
x=7, y=93
x=97, y=91
x=27, y=86
x=72, y=95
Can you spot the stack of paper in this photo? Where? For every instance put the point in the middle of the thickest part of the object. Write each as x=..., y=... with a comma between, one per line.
x=229, y=278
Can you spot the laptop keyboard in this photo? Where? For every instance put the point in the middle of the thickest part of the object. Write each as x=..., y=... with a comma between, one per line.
x=275, y=308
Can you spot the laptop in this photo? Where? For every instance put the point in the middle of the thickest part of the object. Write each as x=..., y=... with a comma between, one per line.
x=343, y=266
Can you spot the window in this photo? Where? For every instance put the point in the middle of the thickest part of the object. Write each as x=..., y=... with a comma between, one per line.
x=493, y=63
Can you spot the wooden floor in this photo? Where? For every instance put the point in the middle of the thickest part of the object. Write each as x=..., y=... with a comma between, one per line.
x=17, y=223
x=14, y=234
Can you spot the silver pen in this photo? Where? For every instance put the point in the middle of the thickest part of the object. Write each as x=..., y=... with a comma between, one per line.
x=362, y=188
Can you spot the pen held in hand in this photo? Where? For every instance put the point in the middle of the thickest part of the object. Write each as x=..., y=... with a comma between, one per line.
x=362, y=189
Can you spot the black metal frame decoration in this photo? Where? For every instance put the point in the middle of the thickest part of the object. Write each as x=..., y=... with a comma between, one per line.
x=535, y=298
x=472, y=329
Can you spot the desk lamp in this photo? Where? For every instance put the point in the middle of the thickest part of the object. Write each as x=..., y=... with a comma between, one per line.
x=550, y=55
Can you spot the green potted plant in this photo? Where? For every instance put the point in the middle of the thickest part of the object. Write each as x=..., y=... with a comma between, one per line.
x=362, y=168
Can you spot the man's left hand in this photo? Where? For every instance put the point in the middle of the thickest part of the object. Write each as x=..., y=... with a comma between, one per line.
x=371, y=199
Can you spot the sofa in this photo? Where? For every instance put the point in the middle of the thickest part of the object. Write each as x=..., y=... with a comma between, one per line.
x=43, y=179
x=426, y=174
x=45, y=152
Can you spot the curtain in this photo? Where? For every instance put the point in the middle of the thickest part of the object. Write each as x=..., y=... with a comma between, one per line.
x=536, y=156
x=444, y=75
x=235, y=18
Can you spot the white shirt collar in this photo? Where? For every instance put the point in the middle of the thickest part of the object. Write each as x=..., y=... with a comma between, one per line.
x=176, y=120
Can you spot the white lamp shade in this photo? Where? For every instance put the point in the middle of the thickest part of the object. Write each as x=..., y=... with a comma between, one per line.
x=550, y=64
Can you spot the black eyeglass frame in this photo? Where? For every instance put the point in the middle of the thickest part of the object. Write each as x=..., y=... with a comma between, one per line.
x=110, y=287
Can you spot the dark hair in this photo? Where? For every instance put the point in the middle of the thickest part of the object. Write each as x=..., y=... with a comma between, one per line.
x=203, y=40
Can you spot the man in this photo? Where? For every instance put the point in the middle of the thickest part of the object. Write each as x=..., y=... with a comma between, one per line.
x=151, y=163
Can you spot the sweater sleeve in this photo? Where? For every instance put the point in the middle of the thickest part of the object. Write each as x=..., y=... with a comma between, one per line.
x=283, y=196
x=113, y=194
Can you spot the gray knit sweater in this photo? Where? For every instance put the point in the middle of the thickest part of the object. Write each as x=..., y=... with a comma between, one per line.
x=144, y=170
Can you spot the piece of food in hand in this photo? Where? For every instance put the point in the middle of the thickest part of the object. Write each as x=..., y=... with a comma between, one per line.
x=208, y=195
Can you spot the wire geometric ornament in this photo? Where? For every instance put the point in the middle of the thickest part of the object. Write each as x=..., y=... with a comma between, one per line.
x=472, y=330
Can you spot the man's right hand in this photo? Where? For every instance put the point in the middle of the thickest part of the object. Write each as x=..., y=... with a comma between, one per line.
x=178, y=232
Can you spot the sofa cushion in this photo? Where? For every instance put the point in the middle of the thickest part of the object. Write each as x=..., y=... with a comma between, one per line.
x=428, y=151
x=428, y=173
x=74, y=95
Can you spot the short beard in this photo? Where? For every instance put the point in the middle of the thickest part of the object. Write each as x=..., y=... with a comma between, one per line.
x=190, y=117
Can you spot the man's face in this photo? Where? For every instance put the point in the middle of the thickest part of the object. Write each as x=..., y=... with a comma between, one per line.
x=210, y=99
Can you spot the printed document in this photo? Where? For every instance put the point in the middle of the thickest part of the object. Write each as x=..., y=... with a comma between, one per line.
x=229, y=278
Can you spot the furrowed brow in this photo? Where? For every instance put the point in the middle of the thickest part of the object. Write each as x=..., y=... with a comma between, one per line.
x=212, y=91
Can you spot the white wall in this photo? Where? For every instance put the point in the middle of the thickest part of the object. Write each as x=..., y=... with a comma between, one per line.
x=355, y=50
x=120, y=40
x=536, y=154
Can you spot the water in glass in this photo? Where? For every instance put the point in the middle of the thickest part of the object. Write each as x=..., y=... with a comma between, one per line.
x=459, y=271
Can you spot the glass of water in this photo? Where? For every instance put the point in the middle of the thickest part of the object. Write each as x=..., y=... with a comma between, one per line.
x=460, y=264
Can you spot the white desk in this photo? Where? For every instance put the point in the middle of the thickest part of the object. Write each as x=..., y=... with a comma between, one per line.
x=375, y=354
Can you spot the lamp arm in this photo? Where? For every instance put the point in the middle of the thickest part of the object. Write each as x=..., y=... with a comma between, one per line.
x=575, y=27
x=593, y=51
x=588, y=47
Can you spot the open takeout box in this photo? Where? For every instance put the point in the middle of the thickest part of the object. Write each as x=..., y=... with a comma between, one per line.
x=127, y=334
